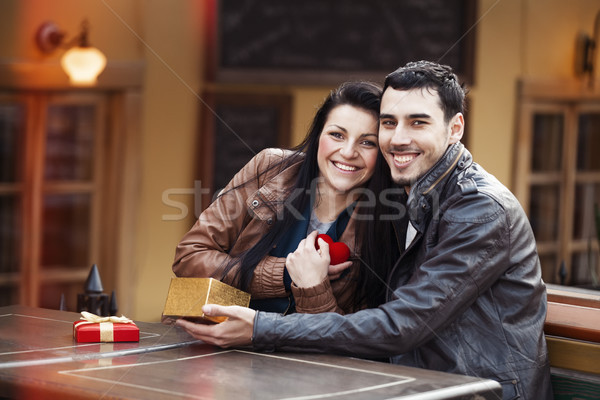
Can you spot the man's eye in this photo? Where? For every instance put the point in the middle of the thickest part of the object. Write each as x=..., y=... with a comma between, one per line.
x=388, y=122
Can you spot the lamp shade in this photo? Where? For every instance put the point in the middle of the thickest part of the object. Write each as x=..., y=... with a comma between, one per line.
x=83, y=64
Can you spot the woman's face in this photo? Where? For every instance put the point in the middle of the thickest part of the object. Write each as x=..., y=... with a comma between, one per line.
x=347, y=149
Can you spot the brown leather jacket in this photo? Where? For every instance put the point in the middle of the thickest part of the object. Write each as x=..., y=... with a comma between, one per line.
x=237, y=220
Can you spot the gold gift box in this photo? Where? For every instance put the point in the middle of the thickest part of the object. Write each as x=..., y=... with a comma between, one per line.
x=187, y=296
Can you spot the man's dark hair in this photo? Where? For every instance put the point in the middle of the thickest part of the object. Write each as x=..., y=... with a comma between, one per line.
x=430, y=75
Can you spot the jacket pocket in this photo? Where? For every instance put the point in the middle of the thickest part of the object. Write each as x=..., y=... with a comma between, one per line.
x=510, y=389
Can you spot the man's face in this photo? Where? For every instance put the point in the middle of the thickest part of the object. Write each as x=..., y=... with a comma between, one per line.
x=413, y=135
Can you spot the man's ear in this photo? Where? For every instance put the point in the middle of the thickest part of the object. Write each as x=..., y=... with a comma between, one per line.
x=457, y=128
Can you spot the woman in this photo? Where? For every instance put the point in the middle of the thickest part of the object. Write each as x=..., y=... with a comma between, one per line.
x=245, y=235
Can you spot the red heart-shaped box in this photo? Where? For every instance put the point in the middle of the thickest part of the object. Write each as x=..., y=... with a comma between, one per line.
x=338, y=251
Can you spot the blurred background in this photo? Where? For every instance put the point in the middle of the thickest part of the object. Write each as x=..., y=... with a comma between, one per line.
x=115, y=171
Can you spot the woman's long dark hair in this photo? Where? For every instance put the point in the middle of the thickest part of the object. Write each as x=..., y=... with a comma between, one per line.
x=379, y=243
x=363, y=95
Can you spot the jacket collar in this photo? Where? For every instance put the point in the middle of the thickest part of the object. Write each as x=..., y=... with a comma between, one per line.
x=424, y=194
x=268, y=199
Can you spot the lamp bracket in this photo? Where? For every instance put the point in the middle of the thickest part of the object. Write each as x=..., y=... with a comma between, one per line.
x=49, y=37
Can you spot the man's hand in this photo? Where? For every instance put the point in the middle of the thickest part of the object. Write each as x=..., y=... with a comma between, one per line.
x=235, y=331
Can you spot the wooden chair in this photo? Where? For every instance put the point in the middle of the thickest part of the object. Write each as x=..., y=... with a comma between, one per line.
x=572, y=331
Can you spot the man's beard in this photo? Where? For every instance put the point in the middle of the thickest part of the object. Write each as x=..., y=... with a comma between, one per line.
x=405, y=181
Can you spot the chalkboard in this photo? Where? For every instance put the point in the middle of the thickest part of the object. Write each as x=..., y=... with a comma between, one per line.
x=319, y=41
x=236, y=126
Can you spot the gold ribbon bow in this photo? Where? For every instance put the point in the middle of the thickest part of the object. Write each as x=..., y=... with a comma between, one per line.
x=106, y=324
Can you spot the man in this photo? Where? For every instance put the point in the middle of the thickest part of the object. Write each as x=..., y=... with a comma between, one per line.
x=465, y=295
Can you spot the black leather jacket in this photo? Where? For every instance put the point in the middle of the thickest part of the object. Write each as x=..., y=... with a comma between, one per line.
x=465, y=297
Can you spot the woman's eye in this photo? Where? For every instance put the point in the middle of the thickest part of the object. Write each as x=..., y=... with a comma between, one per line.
x=368, y=143
x=336, y=135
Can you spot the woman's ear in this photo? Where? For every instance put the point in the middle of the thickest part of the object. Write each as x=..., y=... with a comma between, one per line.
x=457, y=128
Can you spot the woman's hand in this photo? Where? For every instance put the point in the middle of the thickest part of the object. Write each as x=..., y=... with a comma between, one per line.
x=335, y=271
x=235, y=331
x=308, y=266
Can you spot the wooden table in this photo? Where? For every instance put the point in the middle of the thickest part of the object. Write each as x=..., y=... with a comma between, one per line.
x=40, y=359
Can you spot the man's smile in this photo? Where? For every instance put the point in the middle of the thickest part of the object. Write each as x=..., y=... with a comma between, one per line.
x=401, y=160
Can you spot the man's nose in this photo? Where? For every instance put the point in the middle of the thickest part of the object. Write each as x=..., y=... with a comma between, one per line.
x=400, y=136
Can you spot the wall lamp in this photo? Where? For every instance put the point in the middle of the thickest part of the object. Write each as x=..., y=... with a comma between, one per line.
x=82, y=62
x=585, y=53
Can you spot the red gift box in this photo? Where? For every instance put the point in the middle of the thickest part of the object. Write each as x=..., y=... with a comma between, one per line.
x=89, y=331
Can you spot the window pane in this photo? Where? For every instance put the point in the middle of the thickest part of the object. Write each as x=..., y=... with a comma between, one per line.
x=588, y=143
x=585, y=269
x=66, y=230
x=547, y=142
x=12, y=124
x=50, y=295
x=236, y=140
x=544, y=211
x=587, y=197
x=10, y=234
x=69, y=142
x=9, y=295
x=549, y=268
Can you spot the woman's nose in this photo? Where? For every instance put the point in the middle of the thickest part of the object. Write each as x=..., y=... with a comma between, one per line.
x=348, y=150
